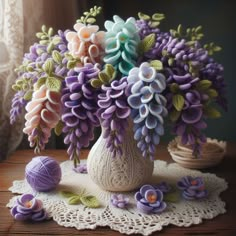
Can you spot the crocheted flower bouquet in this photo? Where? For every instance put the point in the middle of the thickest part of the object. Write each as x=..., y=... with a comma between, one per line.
x=76, y=80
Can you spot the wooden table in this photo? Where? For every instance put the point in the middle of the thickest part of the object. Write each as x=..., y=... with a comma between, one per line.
x=13, y=169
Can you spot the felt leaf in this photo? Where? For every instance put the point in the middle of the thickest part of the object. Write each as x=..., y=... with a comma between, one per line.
x=178, y=102
x=74, y=200
x=172, y=197
x=204, y=84
x=16, y=87
x=143, y=16
x=71, y=64
x=110, y=70
x=211, y=112
x=96, y=83
x=171, y=61
x=67, y=194
x=158, y=16
x=147, y=43
x=56, y=40
x=48, y=66
x=57, y=57
x=174, y=88
x=91, y=20
x=44, y=28
x=212, y=93
x=90, y=201
x=157, y=65
x=58, y=128
x=53, y=84
x=28, y=95
x=50, y=47
x=180, y=29
x=50, y=31
x=41, y=81
x=103, y=77
x=174, y=115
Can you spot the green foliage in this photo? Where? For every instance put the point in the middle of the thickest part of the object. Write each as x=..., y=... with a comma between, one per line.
x=45, y=36
x=172, y=197
x=89, y=17
x=190, y=34
x=174, y=115
x=204, y=85
x=48, y=66
x=212, y=48
x=104, y=77
x=53, y=84
x=71, y=61
x=157, y=65
x=178, y=102
x=211, y=112
x=146, y=44
x=73, y=199
x=154, y=20
x=58, y=128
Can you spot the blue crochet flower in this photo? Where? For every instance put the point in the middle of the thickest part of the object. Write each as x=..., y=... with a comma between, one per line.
x=148, y=106
x=121, y=43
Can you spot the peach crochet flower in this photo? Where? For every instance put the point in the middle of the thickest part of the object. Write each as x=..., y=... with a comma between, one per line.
x=43, y=114
x=87, y=43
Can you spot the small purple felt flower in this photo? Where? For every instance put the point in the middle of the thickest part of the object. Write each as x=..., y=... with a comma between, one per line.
x=81, y=168
x=150, y=200
x=163, y=186
x=27, y=207
x=119, y=200
x=193, y=188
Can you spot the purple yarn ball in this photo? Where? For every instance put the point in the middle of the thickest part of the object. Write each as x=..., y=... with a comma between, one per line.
x=43, y=173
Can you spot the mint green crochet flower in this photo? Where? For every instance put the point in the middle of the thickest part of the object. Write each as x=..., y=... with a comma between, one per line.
x=121, y=44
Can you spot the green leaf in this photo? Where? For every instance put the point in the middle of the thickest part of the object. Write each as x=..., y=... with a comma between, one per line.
x=90, y=201
x=67, y=194
x=41, y=81
x=50, y=47
x=57, y=57
x=172, y=197
x=48, y=66
x=212, y=93
x=74, y=200
x=158, y=16
x=154, y=24
x=16, y=87
x=56, y=40
x=178, y=102
x=110, y=70
x=103, y=77
x=211, y=112
x=39, y=35
x=204, y=84
x=96, y=83
x=171, y=61
x=174, y=88
x=157, y=65
x=50, y=31
x=43, y=42
x=44, y=28
x=174, y=115
x=58, y=128
x=143, y=16
x=28, y=95
x=71, y=64
x=91, y=20
x=53, y=84
x=180, y=29
x=147, y=43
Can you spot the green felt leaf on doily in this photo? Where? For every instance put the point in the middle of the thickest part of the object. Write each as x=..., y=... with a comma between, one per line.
x=74, y=200
x=67, y=194
x=90, y=201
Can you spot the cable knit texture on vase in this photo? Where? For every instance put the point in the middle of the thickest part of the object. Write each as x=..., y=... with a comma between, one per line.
x=119, y=173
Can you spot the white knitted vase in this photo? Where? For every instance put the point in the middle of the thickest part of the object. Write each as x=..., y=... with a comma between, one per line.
x=120, y=173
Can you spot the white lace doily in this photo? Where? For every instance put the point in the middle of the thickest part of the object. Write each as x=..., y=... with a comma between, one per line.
x=128, y=221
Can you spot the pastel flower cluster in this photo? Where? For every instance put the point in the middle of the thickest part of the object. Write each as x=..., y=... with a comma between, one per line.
x=132, y=73
x=27, y=207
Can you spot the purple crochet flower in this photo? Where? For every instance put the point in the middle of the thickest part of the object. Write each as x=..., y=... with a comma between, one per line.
x=150, y=200
x=119, y=200
x=27, y=207
x=193, y=188
x=163, y=186
x=81, y=168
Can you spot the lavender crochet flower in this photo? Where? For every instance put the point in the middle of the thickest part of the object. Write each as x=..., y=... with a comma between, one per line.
x=81, y=168
x=148, y=107
x=27, y=207
x=119, y=200
x=121, y=44
x=193, y=188
x=114, y=112
x=150, y=200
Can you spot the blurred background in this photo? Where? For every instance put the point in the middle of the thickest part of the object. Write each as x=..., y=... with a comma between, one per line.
x=217, y=18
